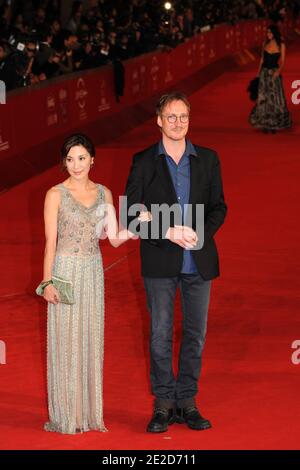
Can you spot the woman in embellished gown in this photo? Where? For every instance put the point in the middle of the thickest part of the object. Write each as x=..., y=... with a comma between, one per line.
x=270, y=112
x=76, y=213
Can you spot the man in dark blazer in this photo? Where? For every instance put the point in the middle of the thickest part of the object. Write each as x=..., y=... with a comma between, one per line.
x=174, y=171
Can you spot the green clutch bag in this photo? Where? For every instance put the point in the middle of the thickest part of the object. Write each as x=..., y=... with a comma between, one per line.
x=64, y=287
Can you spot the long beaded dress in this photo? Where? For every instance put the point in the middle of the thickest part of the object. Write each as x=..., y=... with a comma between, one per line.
x=270, y=111
x=75, y=333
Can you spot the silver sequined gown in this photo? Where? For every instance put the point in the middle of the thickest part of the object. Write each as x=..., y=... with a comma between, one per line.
x=75, y=332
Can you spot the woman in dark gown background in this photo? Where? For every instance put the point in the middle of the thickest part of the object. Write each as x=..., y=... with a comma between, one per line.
x=270, y=112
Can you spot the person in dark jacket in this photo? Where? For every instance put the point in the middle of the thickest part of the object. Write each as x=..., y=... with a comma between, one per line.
x=176, y=251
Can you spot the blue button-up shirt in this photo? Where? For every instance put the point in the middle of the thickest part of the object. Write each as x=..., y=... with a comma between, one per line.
x=180, y=175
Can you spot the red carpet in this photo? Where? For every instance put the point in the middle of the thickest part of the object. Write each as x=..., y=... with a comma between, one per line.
x=249, y=387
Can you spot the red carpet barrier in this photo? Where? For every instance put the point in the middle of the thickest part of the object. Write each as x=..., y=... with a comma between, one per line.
x=35, y=119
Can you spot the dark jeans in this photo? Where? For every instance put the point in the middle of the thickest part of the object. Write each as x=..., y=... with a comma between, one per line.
x=195, y=294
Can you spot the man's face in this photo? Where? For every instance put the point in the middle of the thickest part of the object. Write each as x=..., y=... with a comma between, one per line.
x=71, y=42
x=31, y=49
x=174, y=130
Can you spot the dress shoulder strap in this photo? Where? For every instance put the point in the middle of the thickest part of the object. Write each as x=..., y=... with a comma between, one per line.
x=64, y=194
x=101, y=193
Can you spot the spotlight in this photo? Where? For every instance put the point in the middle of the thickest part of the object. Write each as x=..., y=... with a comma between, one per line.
x=168, y=6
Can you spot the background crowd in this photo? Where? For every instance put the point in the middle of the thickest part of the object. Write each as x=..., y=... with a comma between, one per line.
x=37, y=43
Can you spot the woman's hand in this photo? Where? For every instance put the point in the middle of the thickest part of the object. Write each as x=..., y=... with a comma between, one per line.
x=145, y=216
x=51, y=294
x=276, y=74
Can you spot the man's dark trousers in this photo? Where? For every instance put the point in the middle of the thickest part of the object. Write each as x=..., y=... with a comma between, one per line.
x=195, y=293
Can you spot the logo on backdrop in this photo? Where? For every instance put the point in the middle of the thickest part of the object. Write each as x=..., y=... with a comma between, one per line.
x=202, y=49
x=135, y=82
x=104, y=104
x=169, y=76
x=52, y=118
x=154, y=72
x=2, y=92
x=63, y=105
x=138, y=80
x=296, y=94
x=80, y=97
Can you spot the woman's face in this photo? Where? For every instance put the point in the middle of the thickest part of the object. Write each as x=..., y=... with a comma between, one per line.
x=269, y=35
x=78, y=162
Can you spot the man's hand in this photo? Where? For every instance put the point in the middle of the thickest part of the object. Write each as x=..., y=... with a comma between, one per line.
x=183, y=236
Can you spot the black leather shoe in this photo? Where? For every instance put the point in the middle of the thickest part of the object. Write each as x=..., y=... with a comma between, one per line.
x=191, y=416
x=161, y=418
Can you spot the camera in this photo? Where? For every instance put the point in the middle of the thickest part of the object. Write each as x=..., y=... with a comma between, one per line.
x=19, y=43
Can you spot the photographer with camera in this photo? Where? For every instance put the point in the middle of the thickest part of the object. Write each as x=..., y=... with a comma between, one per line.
x=26, y=63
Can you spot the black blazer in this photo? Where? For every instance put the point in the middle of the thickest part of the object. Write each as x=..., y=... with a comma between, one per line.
x=150, y=182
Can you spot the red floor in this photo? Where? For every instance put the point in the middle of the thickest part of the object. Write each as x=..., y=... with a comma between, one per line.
x=249, y=387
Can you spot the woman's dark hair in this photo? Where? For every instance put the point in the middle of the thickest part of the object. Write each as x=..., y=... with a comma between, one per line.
x=276, y=34
x=72, y=141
